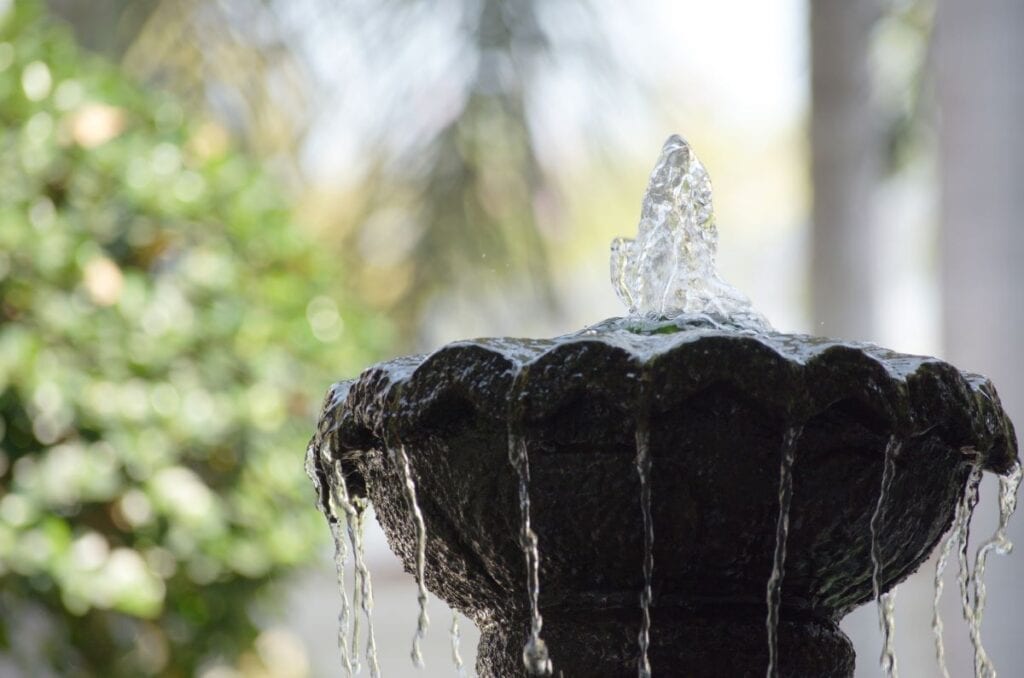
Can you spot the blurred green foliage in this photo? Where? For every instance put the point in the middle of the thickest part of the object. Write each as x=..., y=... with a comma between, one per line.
x=165, y=335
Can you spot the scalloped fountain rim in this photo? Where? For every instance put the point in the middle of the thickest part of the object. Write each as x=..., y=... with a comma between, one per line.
x=797, y=376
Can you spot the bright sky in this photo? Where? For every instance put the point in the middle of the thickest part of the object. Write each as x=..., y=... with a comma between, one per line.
x=741, y=62
x=747, y=58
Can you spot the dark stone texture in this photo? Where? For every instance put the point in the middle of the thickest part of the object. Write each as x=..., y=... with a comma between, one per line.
x=604, y=644
x=719, y=403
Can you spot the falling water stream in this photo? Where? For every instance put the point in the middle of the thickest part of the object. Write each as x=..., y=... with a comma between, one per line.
x=643, y=467
x=456, y=637
x=963, y=542
x=940, y=569
x=423, y=621
x=1008, y=485
x=339, y=504
x=774, y=593
x=535, y=653
x=957, y=537
x=886, y=601
x=357, y=605
x=331, y=514
x=356, y=510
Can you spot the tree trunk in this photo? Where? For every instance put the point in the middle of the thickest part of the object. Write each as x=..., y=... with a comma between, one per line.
x=846, y=162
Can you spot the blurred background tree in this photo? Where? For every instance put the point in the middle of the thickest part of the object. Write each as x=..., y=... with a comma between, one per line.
x=453, y=189
x=165, y=334
x=457, y=167
x=166, y=330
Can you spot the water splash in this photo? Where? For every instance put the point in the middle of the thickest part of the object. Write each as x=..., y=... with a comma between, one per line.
x=774, y=594
x=456, y=638
x=886, y=601
x=1008, y=486
x=957, y=536
x=643, y=467
x=669, y=269
x=535, y=654
x=423, y=621
x=340, y=547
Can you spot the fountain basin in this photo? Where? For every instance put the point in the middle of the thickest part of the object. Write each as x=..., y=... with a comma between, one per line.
x=717, y=403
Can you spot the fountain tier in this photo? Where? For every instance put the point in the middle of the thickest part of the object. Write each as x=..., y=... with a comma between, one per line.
x=717, y=405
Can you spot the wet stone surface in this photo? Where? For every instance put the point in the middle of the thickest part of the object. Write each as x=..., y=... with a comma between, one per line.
x=718, y=403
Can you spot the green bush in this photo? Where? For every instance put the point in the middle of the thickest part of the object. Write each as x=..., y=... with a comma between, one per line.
x=165, y=336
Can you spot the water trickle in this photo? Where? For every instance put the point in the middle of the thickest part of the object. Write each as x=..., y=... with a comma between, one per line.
x=456, y=638
x=957, y=535
x=355, y=510
x=1008, y=485
x=669, y=269
x=940, y=569
x=423, y=621
x=774, y=593
x=357, y=605
x=328, y=509
x=887, y=622
x=643, y=467
x=535, y=653
x=886, y=601
x=964, y=571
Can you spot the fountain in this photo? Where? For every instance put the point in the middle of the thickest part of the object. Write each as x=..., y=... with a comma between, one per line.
x=684, y=491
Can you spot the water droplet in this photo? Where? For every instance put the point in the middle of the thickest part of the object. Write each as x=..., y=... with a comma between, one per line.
x=536, y=659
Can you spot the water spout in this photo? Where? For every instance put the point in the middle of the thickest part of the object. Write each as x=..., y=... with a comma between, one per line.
x=669, y=269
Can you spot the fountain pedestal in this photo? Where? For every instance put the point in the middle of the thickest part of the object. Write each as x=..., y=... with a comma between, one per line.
x=719, y=643
x=718, y=404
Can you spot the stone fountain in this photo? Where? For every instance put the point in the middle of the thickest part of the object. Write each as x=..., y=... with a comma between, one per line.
x=684, y=491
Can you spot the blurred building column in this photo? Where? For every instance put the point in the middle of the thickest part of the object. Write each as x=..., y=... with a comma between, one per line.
x=980, y=80
x=846, y=155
